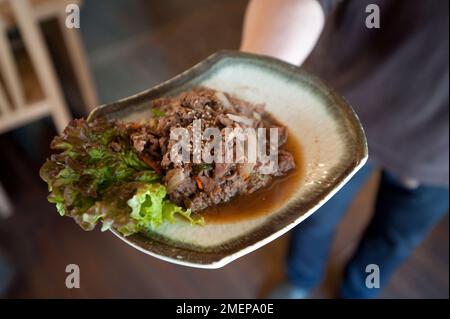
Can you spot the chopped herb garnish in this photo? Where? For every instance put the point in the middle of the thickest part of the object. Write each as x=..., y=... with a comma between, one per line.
x=157, y=113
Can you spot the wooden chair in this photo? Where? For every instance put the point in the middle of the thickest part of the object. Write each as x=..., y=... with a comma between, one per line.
x=18, y=110
x=42, y=10
x=29, y=88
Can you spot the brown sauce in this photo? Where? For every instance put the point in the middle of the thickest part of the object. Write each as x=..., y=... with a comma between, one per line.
x=265, y=200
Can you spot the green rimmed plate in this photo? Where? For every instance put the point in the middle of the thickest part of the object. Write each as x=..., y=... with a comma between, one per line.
x=332, y=144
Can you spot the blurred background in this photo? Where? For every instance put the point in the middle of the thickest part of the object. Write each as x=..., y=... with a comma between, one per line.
x=50, y=73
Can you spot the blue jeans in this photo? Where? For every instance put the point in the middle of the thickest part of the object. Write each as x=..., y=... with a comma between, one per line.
x=402, y=219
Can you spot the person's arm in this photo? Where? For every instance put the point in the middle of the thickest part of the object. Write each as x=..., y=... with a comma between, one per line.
x=285, y=29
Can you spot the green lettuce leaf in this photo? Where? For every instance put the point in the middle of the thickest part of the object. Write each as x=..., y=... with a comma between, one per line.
x=150, y=208
x=96, y=177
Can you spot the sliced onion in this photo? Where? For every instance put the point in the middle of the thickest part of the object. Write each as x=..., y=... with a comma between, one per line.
x=245, y=169
x=241, y=119
x=224, y=100
x=257, y=116
x=174, y=178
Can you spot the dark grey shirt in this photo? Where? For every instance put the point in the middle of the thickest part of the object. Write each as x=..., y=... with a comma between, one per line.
x=396, y=78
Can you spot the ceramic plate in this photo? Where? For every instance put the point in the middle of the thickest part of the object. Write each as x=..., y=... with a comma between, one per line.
x=329, y=135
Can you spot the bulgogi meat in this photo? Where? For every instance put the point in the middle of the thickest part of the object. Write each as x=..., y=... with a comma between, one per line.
x=198, y=186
